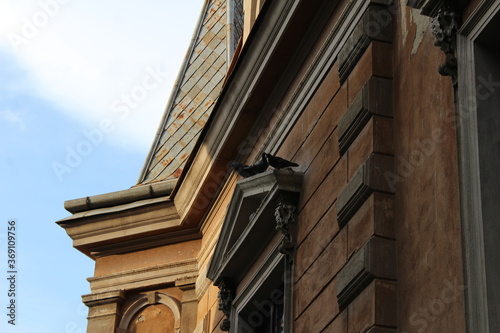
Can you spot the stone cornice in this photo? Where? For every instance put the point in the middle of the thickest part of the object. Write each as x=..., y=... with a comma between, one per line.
x=164, y=274
x=108, y=227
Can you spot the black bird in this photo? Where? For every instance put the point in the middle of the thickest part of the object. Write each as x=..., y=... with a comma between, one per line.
x=251, y=170
x=262, y=165
x=279, y=163
x=244, y=170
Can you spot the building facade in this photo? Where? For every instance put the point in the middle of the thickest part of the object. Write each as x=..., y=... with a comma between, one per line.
x=390, y=108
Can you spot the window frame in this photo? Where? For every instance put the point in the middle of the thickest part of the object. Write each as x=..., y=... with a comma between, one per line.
x=242, y=267
x=476, y=294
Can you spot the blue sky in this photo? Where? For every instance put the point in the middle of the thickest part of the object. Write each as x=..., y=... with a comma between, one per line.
x=83, y=85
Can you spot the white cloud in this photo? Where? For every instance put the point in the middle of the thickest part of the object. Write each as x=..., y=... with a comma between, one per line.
x=84, y=55
x=13, y=118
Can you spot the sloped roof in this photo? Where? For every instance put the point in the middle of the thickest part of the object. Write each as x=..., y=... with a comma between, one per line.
x=198, y=85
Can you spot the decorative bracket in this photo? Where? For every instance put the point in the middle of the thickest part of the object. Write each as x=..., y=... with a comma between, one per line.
x=285, y=217
x=226, y=295
x=445, y=28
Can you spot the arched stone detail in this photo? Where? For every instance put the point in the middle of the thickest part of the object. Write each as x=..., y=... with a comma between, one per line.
x=151, y=299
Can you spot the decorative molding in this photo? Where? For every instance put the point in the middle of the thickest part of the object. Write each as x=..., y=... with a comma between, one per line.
x=116, y=296
x=369, y=178
x=225, y=296
x=476, y=293
x=236, y=249
x=370, y=27
x=376, y=259
x=375, y=98
x=445, y=28
x=144, y=277
x=122, y=228
x=285, y=218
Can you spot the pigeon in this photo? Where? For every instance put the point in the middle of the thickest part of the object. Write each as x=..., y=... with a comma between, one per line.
x=278, y=162
x=243, y=170
x=251, y=170
x=262, y=165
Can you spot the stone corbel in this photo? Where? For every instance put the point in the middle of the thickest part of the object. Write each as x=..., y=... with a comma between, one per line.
x=445, y=25
x=226, y=295
x=285, y=218
x=444, y=28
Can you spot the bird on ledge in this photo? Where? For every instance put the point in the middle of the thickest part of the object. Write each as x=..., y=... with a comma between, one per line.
x=260, y=166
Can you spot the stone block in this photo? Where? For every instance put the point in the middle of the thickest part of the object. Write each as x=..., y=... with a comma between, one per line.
x=375, y=98
x=374, y=218
x=376, y=24
x=376, y=137
x=313, y=209
x=320, y=313
x=316, y=242
x=323, y=163
x=376, y=259
x=339, y=325
x=321, y=272
x=369, y=178
x=375, y=306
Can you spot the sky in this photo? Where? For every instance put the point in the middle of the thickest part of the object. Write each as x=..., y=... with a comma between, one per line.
x=83, y=86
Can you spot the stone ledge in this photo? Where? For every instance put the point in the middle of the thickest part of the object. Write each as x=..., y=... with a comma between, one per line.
x=103, y=298
x=144, y=277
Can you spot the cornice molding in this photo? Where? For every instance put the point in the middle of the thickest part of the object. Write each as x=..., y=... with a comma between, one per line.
x=122, y=228
x=166, y=274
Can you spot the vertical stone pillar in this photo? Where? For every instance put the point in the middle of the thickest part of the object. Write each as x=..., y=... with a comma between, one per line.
x=104, y=311
x=189, y=312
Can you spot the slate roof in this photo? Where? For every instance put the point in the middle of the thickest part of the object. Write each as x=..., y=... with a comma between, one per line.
x=198, y=85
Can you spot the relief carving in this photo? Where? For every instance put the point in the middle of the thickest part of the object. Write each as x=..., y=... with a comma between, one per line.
x=285, y=217
x=445, y=27
x=226, y=295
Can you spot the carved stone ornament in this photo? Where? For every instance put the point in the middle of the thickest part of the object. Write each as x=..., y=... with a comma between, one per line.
x=285, y=217
x=225, y=297
x=445, y=27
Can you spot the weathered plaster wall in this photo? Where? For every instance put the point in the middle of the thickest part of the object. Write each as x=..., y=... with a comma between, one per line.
x=430, y=292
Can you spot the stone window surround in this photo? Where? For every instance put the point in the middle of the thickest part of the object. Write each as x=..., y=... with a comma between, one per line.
x=239, y=263
x=472, y=225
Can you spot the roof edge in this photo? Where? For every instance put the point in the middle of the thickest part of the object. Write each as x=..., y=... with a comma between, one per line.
x=130, y=195
x=166, y=114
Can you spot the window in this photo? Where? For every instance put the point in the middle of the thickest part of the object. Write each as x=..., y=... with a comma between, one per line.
x=235, y=25
x=254, y=254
